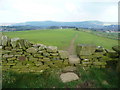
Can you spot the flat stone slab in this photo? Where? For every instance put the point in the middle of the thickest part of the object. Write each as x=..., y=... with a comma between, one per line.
x=68, y=77
x=73, y=59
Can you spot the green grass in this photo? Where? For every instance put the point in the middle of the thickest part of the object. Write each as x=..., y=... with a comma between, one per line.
x=62, y=37
x=51, y=79
x=88, y=38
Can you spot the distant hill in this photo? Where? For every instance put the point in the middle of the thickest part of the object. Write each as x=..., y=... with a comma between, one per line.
x=54, y=23
x=35, y=25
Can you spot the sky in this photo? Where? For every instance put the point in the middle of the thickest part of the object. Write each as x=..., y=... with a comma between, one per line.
x=15, y=11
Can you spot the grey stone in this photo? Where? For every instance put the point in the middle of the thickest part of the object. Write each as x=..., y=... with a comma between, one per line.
x=38, y=63
x=38, y=55
x=52, y=49
x=4, y=40
x=8, y=48
x=116, y=48
x=14, y=42
x=85, y=60
x=22, y=58
x=99, y=49
x=32, y=50
x=21, y=44
x=54, y=54
x=63, y=54
x=0, y=47
x=27, y=44
x=37, y=45
x=99, y=63
x=7, y=56
x=86, y=63
x=68, y=77
x=112, y=54
x=32, y=58
x=42, y=47
x=46, y=54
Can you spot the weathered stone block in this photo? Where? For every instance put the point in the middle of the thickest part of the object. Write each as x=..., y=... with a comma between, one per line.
x=52, y=49
x=22, y=58
x=41, y=52
x=8, y=48
x=38, y=55
x=85, y=49
x=14, y=42
x=32, y=59
x=55, y=58
x=45, y=60
x=30, y=64
x=46, y=54
x=4, y=40
x=112, y=54
x=16, y=53
x=13, y=58
x=7, y=56
x=32, y=50
x=86, y=63
x=58, y=62
x=27, y=54
x=38, y=63
x=48, y=63
x=5, y=52
x=21, y=44
x=99, y=49
x=85, y=60
x=27, y=44
x=105, y=58
x=54, y=54
x=42, y=47
x=63, y=54
x=116, y=48
x=99, y=63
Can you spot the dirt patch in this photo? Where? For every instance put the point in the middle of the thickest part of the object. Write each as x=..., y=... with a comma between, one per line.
x=71, y=49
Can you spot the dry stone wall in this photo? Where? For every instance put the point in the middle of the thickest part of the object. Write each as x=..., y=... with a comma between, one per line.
x=93, y=56
x=22, y=56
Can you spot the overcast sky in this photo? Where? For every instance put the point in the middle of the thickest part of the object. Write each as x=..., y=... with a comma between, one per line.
x=12, y=11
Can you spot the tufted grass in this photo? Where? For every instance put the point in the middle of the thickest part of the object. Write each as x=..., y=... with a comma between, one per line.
x=50, y=79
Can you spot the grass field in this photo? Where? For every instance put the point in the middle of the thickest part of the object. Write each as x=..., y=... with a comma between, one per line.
x=62, y=37
x=95, y=78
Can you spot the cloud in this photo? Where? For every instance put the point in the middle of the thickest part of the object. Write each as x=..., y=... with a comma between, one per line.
x=57, y=10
